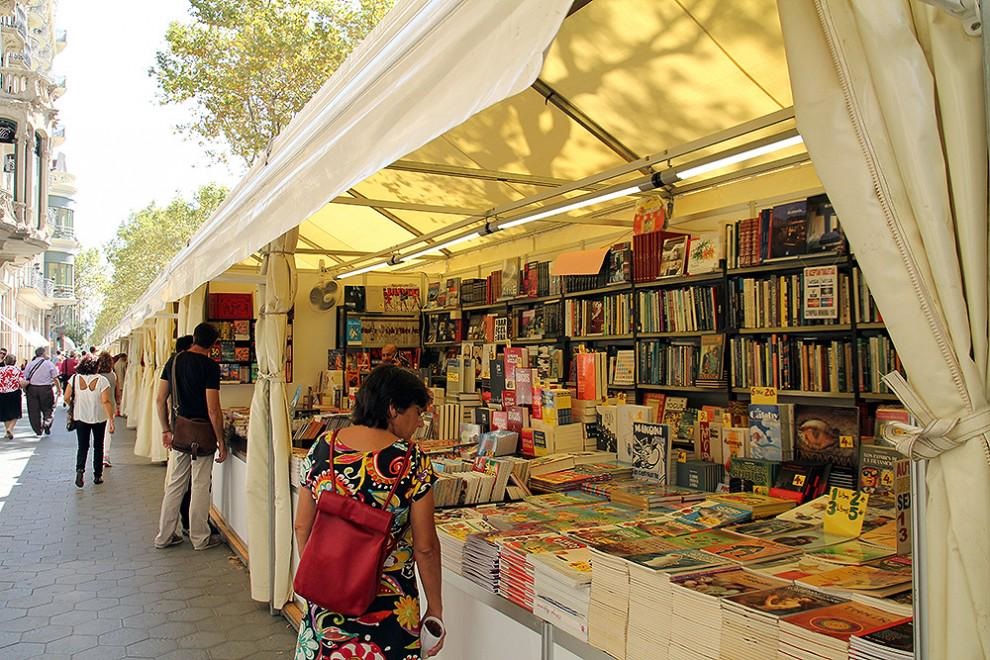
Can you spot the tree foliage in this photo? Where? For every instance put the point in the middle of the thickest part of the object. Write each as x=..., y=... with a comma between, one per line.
x=145, y=244
x=91, y=284
x=247, y=66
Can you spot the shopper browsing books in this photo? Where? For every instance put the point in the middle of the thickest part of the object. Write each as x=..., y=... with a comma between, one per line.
x=92, y=409
x=363, y=462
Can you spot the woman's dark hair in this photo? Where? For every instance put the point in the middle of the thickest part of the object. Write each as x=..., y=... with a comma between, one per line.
x=86, y=367
x=183, y=343
x=10, y=359
x=104, y=363
x=386, y=386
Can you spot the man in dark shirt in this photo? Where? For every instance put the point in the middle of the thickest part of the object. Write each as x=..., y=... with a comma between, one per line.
x=197, y=383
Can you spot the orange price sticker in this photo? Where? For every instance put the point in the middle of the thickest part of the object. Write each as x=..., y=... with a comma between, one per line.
x=763, y=395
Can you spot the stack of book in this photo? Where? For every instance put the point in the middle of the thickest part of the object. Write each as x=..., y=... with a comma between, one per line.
x=825, y=632
x=649, y=598
x=609, y=605
x=453, y=536
x=480, y=561
x=460, y=488
x=710, y=513
x=696, y=622
x=557, y=439
x=651, y=495
x=516, y=572
x=894, y=642
x=447, y=419
x=562, y=589
x=759, y=506
x=750, y=620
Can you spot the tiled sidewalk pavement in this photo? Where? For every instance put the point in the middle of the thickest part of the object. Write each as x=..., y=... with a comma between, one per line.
x=80, y=578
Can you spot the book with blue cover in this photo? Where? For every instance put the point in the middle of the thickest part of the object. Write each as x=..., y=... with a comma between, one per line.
x=771, y=433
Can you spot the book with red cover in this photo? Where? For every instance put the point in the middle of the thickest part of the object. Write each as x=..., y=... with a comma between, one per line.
x=586, y=377
x=231, y=306
x=841, y=621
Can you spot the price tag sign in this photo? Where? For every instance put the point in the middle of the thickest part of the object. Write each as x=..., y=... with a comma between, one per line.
x=762, y=395
x=845, y=511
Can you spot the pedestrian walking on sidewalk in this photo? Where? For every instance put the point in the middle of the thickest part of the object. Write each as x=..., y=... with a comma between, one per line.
x=10, y=393
x=194, y=378
x=67, y=369
x=40, y=377
x=89, y=394
x=104, y=367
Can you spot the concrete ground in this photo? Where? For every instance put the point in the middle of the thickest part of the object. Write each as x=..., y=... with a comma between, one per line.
x=80, y=577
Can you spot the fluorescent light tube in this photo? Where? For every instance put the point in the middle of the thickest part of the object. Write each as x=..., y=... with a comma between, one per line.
x=739, y=157
x=441, y=246
x=361, y=271
x=573, y=206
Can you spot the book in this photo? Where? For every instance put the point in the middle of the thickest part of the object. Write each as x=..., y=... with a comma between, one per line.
x=674, y=256
x=241, y=330
x=711, y=362
x=830, y=435
x=788, y=230
x=836, y=621
x=650, y=449
x=354, y=298
x=770, y=431
x=620, y=263
x=745, y=474
x=673, y=412
x=510, y=278
x=355, y=331
x=749, y=551
x=705, y=253
x=886, y=414
x=453, y=288
x=876, y=469
x=851, y=552
x=824, y=233
x=735, y=441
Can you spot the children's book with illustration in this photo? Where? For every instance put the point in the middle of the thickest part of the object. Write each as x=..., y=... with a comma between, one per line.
x=650, y=451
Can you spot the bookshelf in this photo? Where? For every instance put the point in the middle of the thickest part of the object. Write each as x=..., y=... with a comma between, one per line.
x=233, y=316
x=725, y=303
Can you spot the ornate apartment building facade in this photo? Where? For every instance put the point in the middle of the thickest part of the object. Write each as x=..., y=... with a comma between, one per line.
x=37, y=236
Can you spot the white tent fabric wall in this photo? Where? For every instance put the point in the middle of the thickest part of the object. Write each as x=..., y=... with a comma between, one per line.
x=164, y=343
x=889, y=99
x=132, y=379
x=144, y=399
x=269, y=430
x=195, y=310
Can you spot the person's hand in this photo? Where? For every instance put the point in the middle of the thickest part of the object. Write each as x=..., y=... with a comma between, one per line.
x=221, y=452
x=439, y=645
x=167, y=439
x=110, y=425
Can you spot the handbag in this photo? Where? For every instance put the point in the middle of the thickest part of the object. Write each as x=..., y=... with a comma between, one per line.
x=341, y=566
x=70, y=419
x=190, y=436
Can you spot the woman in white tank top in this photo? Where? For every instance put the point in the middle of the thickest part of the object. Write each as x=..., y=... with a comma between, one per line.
x=92, y=408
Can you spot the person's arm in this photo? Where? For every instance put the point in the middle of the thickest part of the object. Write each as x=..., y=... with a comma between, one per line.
x=68, y=390
x=108, y=407
x=161, y=405
x=53, y=371
x=426, y=551
x=305, y=515
x=216, y=417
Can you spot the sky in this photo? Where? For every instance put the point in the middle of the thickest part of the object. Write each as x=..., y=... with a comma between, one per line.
x=119, y=142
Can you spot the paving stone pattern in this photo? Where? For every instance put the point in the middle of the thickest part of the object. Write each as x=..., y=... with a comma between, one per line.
x=80, y=577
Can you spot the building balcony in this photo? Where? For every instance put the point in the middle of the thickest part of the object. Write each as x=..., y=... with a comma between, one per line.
x=28, y=86
x=21, y=240
x=34, y=289
x=61, y=183
x=63, y=232
x=64, y=293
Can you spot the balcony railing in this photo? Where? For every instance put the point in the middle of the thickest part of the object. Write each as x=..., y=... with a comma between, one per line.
x=64, y=292
x=63, y=231
x=29, y=278
x=26, y=85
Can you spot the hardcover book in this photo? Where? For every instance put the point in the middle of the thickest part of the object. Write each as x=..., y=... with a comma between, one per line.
x=453, y=287
x=673, y=257
x=789, y=230
x=705, y=253
x=510, y=278
x=827, y=434
x=824, y=232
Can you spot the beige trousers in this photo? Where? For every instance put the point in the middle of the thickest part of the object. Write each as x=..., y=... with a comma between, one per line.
x=199, y=501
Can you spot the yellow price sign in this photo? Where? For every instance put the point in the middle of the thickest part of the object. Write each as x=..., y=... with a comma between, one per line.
x=845, y=512
x=762, y=395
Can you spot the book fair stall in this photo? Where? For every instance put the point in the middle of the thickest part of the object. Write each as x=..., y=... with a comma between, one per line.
x=700, y=298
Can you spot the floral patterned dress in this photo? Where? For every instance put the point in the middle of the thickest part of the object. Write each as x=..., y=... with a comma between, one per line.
x=390, y=628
